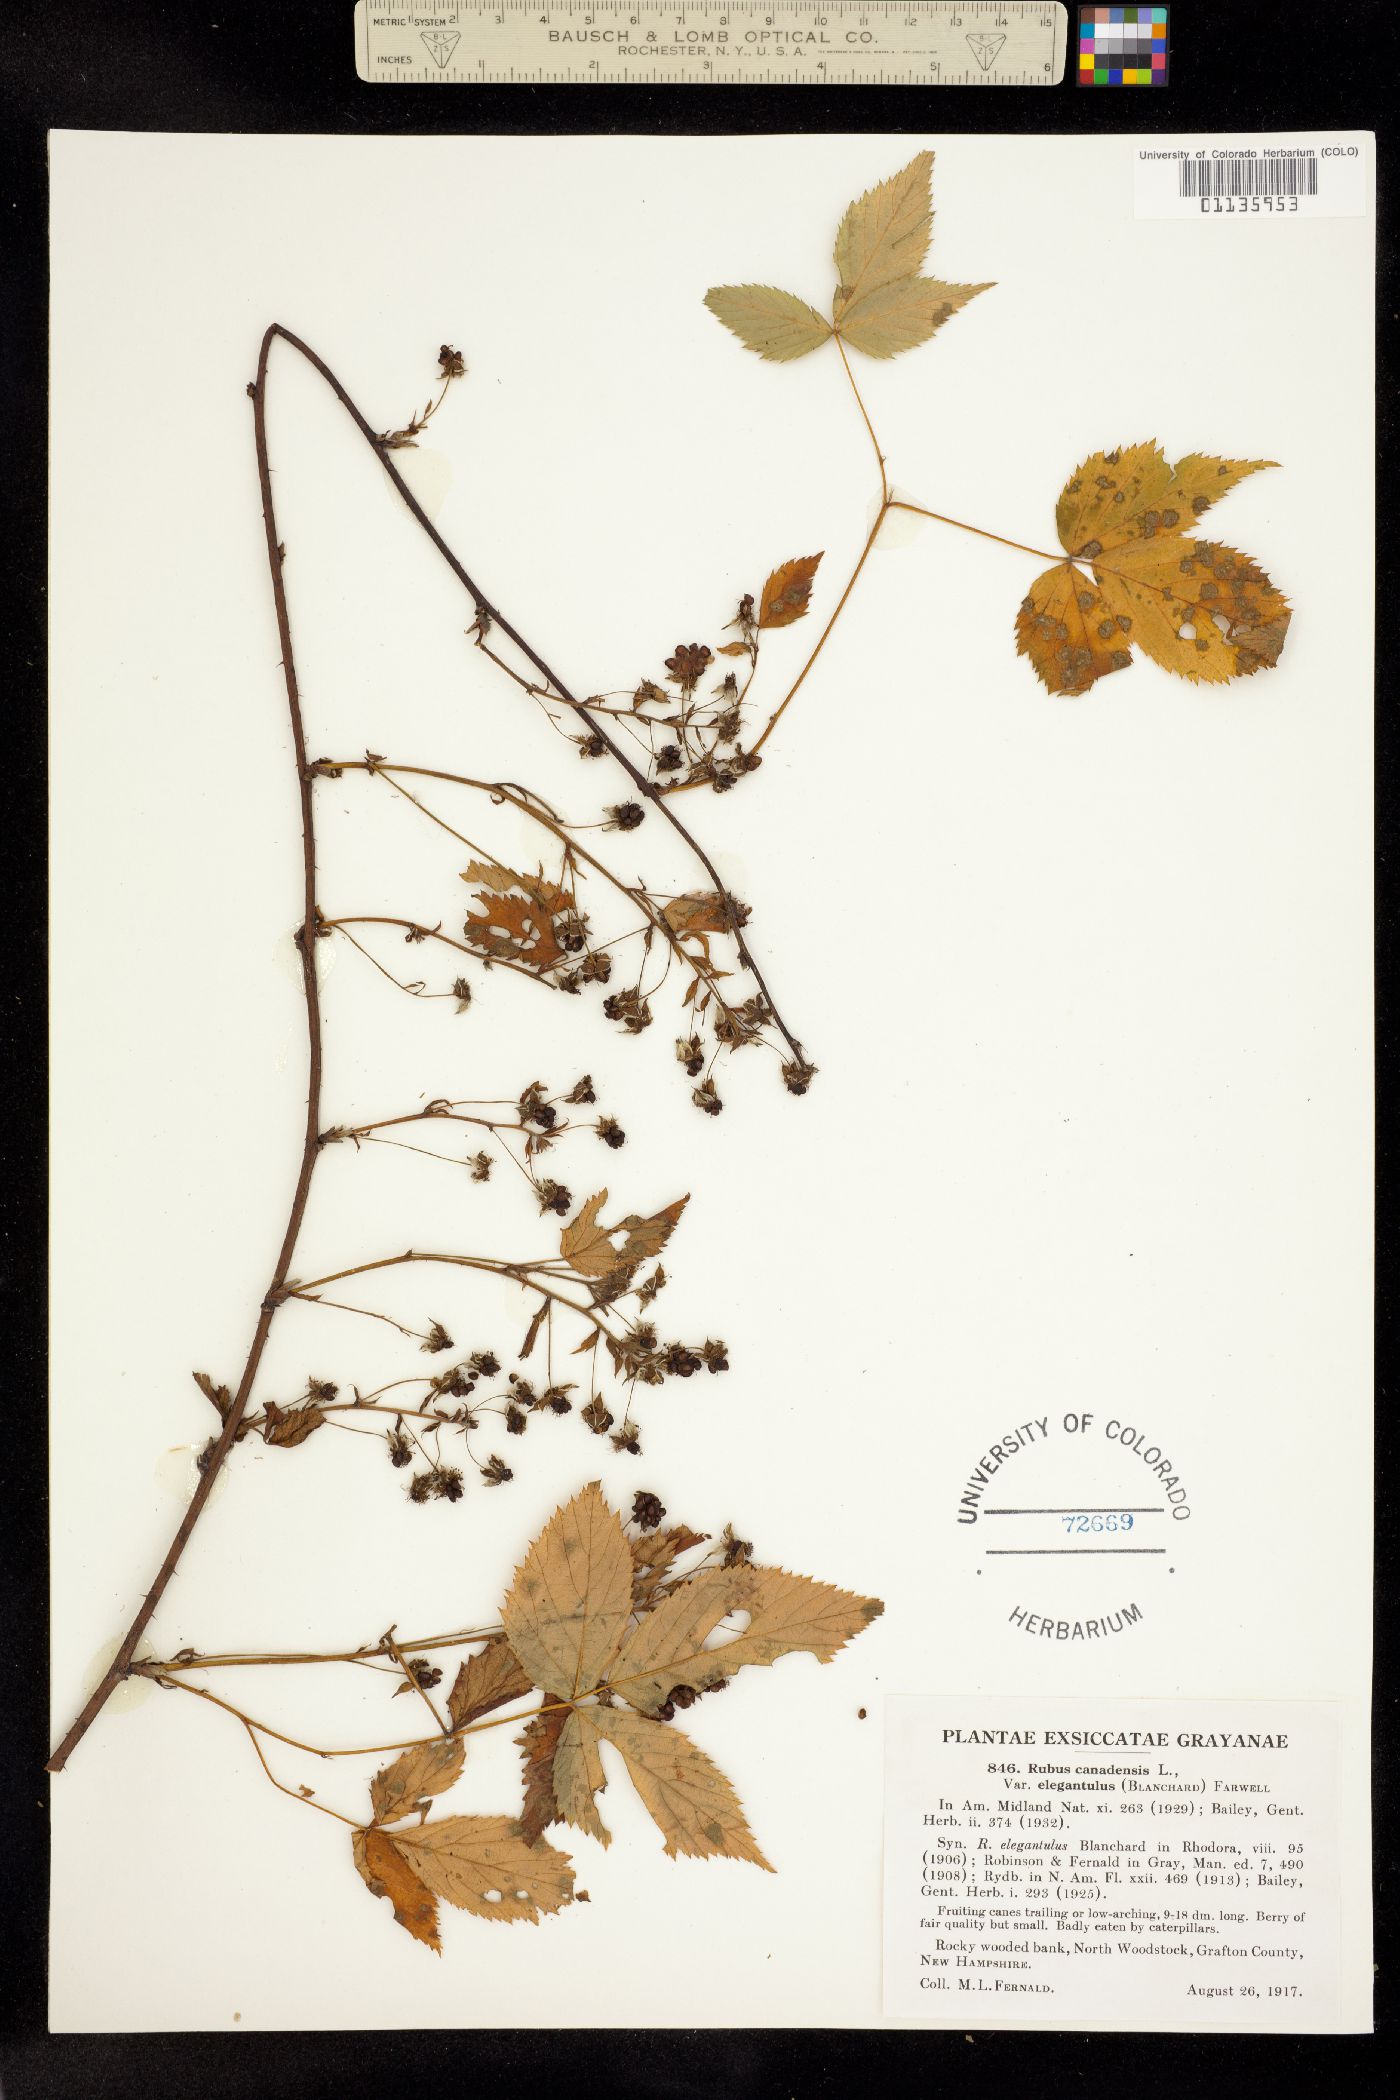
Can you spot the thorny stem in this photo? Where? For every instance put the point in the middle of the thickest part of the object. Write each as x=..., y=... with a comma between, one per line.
x=215, y=1456
x=212, y=1463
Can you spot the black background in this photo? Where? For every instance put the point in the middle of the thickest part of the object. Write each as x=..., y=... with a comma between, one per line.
x=287, y=66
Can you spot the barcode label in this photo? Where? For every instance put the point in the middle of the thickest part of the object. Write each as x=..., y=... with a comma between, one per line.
x=1268, y=181
x=1286, y=175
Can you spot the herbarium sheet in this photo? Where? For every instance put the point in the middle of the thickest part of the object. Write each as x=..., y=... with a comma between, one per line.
x=711, y=930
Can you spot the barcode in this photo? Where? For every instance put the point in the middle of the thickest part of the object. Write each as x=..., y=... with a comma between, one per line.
x=1282, y=175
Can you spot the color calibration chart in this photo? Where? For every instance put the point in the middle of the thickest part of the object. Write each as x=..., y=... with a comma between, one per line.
x=1123, y=46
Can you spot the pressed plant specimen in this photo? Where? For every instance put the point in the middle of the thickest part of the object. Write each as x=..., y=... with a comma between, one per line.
x=610, y=1629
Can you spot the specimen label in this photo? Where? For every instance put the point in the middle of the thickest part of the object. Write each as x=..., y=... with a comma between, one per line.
x=1168, y=1865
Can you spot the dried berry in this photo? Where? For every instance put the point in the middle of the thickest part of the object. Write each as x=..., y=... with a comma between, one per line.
x=611, y=1132
x=647, y=1510
x=630, y=1008
x=533, y=1108
x=705, y=1097
x=451, y=363
x=687, y=666
x=624, y=816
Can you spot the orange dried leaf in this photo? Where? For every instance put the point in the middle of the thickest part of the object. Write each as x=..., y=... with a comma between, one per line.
x=788, y=591
x=1197, y=608
x=385, y=1872
x=1068, y=632
x=1202, y=610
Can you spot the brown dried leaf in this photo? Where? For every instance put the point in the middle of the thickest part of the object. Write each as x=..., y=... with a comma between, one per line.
x=516, y=923
x=579, y=1775
x=483, y=1864
x=539, y=1740
x=571, y=1599
x=489, y=1679
x=588, y=1247
x=585, y=1244
x=289, y=1426
x=532, y=1331
x=426, y=1769
x=884, y=235
x=699, y=911
x=786, y=595
x=788, y=1614
x=647, y=1236
x=218, y=1396
x=654, y=1555
x=385, y=1872
x=684, y=1792
x=777, y=325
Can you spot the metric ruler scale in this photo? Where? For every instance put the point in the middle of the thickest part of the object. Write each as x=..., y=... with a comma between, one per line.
x=712, y=43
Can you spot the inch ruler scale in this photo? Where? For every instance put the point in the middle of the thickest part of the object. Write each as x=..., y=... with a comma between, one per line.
x=712, y=43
